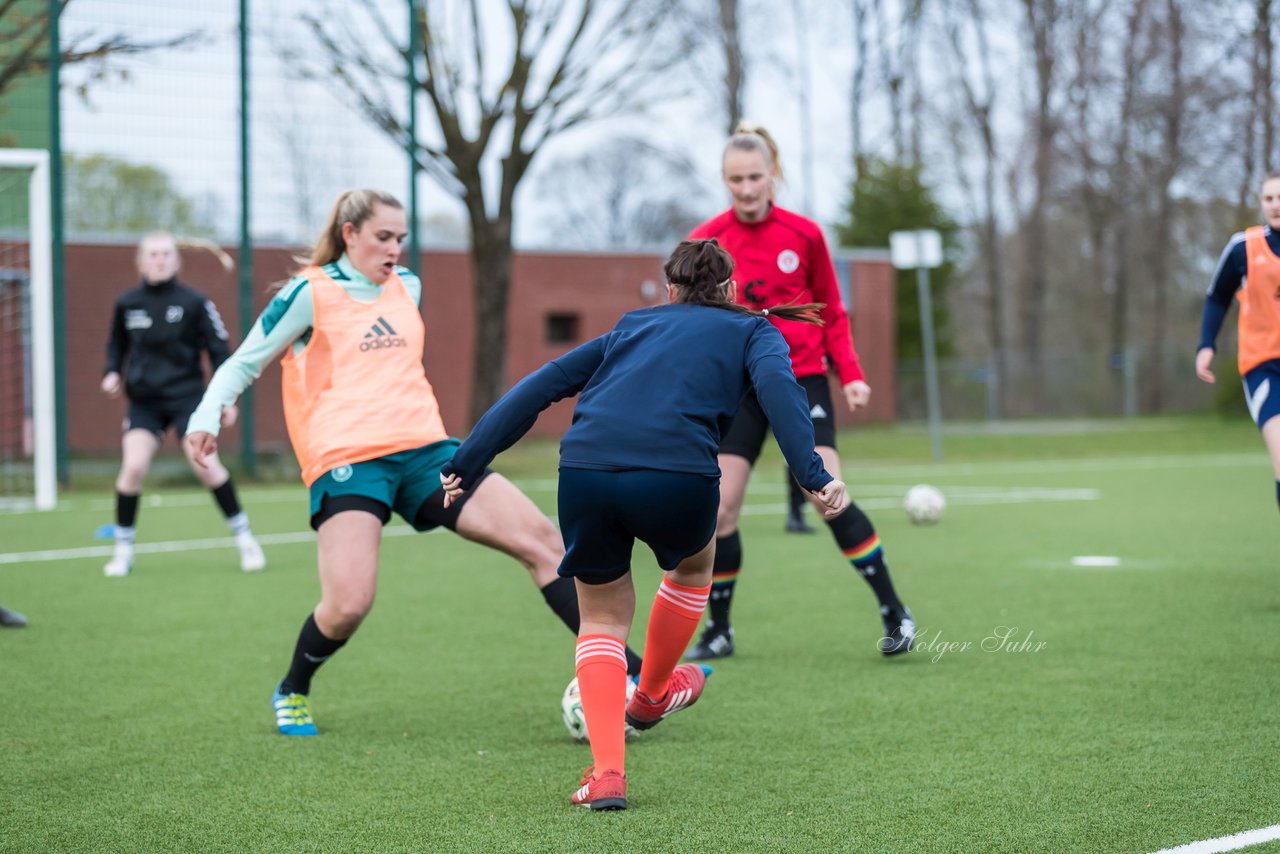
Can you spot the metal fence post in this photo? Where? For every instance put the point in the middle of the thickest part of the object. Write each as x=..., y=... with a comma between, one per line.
x=248, y=456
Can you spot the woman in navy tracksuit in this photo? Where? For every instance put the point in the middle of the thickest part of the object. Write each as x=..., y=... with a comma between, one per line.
x=639, y=462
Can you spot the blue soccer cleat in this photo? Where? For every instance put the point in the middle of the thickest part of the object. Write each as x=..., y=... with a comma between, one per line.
x=293, y=714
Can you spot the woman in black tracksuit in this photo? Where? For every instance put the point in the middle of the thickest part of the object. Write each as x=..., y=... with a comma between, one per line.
x=158, y=332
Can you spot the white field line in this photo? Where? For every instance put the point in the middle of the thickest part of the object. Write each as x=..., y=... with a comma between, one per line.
x=1235, y=842
x=162, y=500
x=971, y=496
x=177, y=546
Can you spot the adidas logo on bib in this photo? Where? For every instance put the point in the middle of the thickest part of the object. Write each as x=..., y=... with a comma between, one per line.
x=381, y=336
x=817, y=411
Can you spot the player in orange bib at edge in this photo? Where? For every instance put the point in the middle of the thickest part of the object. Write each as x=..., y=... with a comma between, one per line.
x=1249, y=271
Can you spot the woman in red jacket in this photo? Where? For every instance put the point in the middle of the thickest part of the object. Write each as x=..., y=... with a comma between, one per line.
x=782, y=258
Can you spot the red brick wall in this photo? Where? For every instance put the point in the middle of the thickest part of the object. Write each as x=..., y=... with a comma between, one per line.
x=596, y=287
x=871, y=313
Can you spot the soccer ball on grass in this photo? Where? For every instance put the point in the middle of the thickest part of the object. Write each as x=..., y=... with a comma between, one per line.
x=924, y=504
x=571, y=709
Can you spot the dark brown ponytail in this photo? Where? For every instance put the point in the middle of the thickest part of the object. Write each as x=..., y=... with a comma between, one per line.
x=702, y=271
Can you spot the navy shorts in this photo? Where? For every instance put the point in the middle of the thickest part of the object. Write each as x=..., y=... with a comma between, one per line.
x=157, y=416
x=745, y=437
x=603, y=513
x=1262, y=391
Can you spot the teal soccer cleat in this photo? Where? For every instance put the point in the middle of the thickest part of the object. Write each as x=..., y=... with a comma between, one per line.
x=293, y=714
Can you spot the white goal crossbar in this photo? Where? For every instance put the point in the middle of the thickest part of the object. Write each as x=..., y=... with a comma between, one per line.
x=42, y=344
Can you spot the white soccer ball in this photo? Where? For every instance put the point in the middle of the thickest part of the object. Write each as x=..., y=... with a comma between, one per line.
x=924, y=504
x=571, y=709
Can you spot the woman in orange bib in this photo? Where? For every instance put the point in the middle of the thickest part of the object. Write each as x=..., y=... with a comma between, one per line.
x=1249, y=271
x=366, y=429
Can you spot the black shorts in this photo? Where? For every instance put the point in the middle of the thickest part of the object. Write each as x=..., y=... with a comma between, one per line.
x=745, y=437
x=603, y=513
x=157, y=416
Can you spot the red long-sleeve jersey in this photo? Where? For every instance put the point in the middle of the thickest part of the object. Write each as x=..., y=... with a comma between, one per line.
x=782, y=259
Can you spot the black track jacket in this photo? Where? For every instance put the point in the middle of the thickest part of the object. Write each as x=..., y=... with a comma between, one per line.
x=157, y=333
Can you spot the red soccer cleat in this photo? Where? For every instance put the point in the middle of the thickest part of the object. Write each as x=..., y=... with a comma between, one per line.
x=684, y=689
x=604, y=791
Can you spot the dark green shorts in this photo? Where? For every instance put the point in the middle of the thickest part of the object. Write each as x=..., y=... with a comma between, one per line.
x=401, y=481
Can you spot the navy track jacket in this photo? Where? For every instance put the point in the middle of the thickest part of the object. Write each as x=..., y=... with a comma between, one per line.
x=657, y=392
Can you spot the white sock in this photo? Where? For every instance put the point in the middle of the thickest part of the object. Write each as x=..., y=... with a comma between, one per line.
x=239, y=523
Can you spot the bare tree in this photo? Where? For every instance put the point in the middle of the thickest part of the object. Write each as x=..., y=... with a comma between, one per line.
x=912, y=37
x=502, y=80
x=804, y=100
x=979, y=107
x=893, y=75
x=24, y=37
x=861, y=9
x=1122, y=179
x=897, y=43
x=1266, y=72
x=1042, y=20
x=1105, y=101
x=1258, y=153
x=1171, y=111
x=626, y=199
x=735, y=73
x=1082, y=136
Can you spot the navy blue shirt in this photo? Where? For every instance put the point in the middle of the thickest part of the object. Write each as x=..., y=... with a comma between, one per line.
x=657, y=392
x=1233, y=266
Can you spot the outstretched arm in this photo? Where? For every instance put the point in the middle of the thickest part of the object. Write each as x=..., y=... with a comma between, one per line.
x=516, y=411
x=286, y=319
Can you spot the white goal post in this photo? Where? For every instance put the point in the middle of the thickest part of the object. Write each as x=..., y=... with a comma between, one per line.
x=40, y=224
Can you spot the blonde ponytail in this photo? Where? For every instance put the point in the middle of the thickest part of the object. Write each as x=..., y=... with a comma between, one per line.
x=353, y=206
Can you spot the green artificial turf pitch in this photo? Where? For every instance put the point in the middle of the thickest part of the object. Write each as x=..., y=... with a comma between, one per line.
x=1127, y=708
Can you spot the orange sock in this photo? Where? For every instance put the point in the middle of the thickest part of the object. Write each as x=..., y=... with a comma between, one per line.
x=677, y=609
x=601, y=665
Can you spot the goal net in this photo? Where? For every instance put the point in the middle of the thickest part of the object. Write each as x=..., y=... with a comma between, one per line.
x=27, y=415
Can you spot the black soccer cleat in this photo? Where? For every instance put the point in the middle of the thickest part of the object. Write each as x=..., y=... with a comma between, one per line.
x=899, y=631
x=714, y=643
x=12, y=619
x=797, y=525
